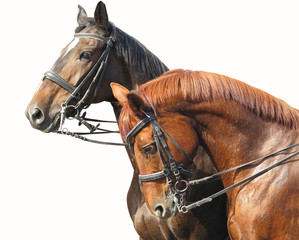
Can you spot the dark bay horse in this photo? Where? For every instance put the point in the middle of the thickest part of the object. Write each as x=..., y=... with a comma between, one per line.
x=235, y=123
x=99, y=43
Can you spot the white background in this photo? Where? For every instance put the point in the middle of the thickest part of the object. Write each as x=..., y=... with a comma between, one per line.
x=57, y=187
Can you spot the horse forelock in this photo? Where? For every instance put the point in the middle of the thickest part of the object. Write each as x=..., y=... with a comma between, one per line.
x=87, y=24
x=199, y=86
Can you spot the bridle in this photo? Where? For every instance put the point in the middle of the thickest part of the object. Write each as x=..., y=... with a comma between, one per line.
x=97, y=71
x=171, y=168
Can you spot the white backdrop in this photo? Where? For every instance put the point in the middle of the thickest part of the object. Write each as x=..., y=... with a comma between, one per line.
x=57, y=187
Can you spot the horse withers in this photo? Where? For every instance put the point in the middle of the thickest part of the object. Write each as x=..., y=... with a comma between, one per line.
x=250, y=135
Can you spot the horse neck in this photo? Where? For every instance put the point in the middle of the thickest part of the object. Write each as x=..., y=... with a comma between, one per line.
x=130, y=64
x=233, y=135
x=139, y=63
x=131, y=79
x=137, y=77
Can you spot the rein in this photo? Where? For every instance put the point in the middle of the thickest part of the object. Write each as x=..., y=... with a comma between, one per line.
x=94, y=130
x=179, y=193
x=98, y=71
x=185, y=209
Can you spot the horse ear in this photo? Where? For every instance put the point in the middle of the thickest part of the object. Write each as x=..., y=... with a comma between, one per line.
x=82, y=16
x=137, y=104
x=124, y=96
x=101, y=16
x=120, y=93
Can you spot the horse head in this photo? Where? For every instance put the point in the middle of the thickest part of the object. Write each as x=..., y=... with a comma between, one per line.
x=155, y=157
x=76, y=75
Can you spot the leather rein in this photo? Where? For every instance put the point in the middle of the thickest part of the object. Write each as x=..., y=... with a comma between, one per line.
x=97, y=71
x=176, y=170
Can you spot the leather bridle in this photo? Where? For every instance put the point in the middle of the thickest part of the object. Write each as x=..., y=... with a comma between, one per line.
x=94, y=76
x=98, y=69
x=171, y=168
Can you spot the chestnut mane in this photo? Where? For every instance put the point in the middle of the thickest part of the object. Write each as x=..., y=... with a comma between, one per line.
x=198, y=86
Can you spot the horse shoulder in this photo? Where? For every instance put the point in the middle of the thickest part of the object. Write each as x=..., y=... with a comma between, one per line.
x=268, y=207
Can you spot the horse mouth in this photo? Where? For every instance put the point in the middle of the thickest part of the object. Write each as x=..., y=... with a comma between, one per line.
x=54, y=125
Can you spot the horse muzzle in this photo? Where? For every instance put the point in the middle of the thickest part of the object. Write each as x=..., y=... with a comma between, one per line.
x=42, y=121
x=166, y=208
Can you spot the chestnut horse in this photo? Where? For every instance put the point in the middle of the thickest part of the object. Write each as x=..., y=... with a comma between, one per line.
x=99, y=54
x=235, y=123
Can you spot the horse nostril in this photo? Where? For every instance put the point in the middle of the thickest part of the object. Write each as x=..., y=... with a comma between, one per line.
x=160, y=212
x=38, y=116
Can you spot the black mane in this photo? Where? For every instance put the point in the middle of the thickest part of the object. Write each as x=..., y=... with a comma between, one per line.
x=137, y=55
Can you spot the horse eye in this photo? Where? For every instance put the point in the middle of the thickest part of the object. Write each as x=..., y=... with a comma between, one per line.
x=85, y=55
x=149, y=149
